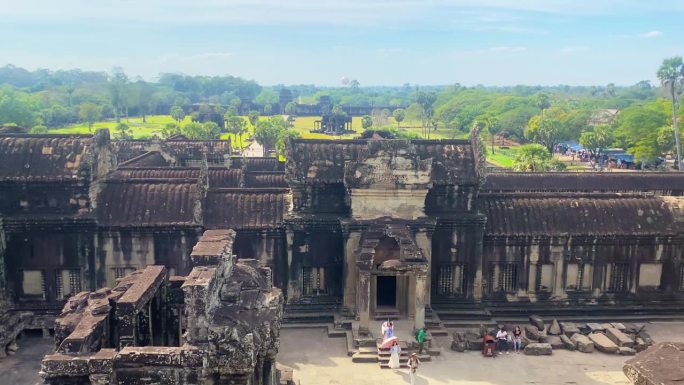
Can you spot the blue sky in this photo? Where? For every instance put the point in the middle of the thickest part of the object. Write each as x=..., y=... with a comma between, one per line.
x=378, y=42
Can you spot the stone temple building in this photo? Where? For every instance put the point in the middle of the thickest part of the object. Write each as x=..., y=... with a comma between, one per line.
x=360, y=228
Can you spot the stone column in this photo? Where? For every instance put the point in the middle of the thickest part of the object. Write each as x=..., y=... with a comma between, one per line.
x=421, y=296
x=558, y=288
x=363, y=302
x=293, y=285
x=350, y=270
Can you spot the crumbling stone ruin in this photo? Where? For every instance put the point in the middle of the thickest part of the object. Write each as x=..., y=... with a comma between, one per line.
x=218, y=325
x=661, y=364
x=540, y=338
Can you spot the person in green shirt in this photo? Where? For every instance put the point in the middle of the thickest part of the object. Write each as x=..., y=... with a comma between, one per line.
x=420, y=337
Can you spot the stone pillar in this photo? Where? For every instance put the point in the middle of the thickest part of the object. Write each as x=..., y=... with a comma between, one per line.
x=476, y=261
x=350, y=270
x=292, y=278
x=363, y=302
x=421, y=296
x=557, y=258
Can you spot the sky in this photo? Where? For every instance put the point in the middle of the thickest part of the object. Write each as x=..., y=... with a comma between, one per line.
x=377, y=42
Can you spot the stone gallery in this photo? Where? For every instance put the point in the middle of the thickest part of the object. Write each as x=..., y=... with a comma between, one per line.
x=366, y=228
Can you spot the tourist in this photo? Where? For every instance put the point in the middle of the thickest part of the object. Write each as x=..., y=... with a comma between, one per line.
x=420, y=337
x=413, y=363
x=387, y=329
x=395, y=352
x=517, y=339
x=502, y=340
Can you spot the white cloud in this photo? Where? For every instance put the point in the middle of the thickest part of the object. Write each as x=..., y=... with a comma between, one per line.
x=340, y=12
x=651, y=34
x=573, y=49
x=508, y=49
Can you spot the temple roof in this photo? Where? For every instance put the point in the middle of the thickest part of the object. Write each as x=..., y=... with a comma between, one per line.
x=245, y=208
x=147, y=202
x=179, y=149
x=43, y=158
x=585, y=181
x=558, y=215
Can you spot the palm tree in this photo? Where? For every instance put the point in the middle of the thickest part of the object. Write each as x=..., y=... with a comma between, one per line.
x=542, y=101
x=671, y=74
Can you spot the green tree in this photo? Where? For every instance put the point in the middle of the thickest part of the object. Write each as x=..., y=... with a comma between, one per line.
x=284, y=136
x=638, y=126
x=117, y=90
x=89, y=113
x=170, y=129
x=268, y=109
x=596, y=139
x=123, y=131
x=671, y=75
x=536, y=158
x=177, y=113
x=399, y=114
x=290, y=108
x=201, y=131
x=426, y=100
x=267, y=132
x=491, y=124
x=235, y=125
x=366, y=122
x=38, y=129
x=253, y=117
x=545, y=132
x=17, y=107
x=542, y=101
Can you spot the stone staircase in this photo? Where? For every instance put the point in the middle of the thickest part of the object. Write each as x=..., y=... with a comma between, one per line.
x=374, y=353
x=383, y=314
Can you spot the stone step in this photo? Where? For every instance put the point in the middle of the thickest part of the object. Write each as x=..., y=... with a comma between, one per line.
x=385, y=365
x=305, y=325
x=441, y=331
x=349, y=337
x=364, y=358
x=336, y=333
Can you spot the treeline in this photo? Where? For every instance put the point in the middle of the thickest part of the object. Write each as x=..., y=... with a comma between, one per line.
x=634, y=117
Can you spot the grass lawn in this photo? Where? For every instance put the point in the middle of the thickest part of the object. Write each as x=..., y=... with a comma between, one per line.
x=502, y=157
x=303, y=125
x=153, y=126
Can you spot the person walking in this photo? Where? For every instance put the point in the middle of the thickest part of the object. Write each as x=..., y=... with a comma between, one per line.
x=502, y=340
x=395, y=352
x=413, y=363
x=420, y=337
x=517, y=339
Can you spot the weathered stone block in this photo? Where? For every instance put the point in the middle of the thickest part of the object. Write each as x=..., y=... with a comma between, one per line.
x=567, y=343
x=554, y=329
x=555, y=342
x=595, y=328
x=538, y=349
x=603, y=343
x=619, y=326
x=625, y=351
x=569, y=328
x=537, y=321
x=582, y=343
x=533, y=333
x=619, y=338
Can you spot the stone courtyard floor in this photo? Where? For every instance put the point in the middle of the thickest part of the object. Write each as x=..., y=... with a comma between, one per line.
x=318, y=360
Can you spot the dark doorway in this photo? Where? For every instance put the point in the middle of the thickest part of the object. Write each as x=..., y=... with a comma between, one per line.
x=387, y=291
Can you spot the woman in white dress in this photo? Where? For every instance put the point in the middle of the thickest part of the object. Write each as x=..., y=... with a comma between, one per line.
x=395, y=351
